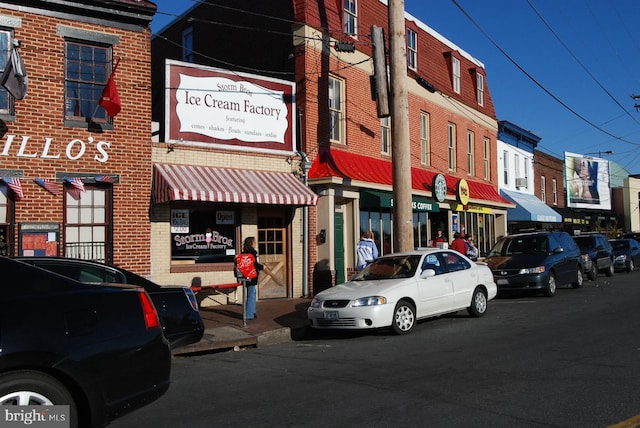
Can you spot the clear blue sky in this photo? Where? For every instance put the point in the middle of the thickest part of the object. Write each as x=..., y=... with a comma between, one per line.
x=573, y=66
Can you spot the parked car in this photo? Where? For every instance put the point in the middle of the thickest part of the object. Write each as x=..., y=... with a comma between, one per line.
x=626, y=253
x=538, y=262
x=398, y=289
x=176, y=305
x=97, y=348
x=597, y=254
x=631, y=235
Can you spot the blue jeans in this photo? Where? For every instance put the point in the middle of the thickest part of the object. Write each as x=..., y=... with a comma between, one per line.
x=250, y=308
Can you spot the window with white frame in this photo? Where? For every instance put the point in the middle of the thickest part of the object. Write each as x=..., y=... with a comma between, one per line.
x=351, y=17
x=336, y=109
x=526, y=172
x=425, y=142
x=516, y=165
x=455, y=68
x=487, y=159
x=87, y=223
x=451, y=144
x=554, y=189
x=385, y=135
x=412, y=49
x=5, y=222
x=505, y=167
x=187, y=44
x=480, y=89
x=543, y=189
x=471, y=162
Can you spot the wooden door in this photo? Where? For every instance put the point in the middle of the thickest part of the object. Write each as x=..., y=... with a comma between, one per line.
x=272, y=252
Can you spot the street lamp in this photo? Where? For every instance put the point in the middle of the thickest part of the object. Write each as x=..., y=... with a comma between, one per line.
x=600, y=153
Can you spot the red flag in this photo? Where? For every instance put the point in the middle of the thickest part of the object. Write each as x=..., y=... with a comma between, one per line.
x=110, y=99
x=49, y=186
x=15, y=185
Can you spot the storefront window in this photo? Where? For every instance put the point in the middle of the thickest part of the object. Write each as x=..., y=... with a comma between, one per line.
x=203, y=235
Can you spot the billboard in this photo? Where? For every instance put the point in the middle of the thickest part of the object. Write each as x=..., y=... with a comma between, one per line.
x=211, y=106
x=587, y=180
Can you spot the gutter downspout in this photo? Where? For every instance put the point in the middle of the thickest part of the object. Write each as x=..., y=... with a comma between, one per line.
x=305, y=165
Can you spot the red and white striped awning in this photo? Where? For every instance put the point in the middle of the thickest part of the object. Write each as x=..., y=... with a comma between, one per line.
x=203, y=183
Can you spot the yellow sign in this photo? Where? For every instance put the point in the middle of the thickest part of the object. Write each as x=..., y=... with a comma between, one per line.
x=472, y=208
x=463, y=192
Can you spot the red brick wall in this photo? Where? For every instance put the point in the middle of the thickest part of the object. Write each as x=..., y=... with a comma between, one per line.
x=551, y=168
x=41, y=115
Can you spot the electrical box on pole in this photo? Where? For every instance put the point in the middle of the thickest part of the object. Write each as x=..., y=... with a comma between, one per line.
x=381, y=79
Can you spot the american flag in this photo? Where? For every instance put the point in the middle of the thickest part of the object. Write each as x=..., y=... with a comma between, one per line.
x=76, y=182
x=49, y=186
x=15, y=185
x=106, y=178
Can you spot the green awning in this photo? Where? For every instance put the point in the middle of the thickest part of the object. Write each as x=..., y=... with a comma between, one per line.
x=376, y=199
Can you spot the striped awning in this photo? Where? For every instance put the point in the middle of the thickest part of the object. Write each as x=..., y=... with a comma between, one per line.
x=203, y=183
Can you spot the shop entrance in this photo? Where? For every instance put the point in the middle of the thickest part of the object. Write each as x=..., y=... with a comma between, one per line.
x=272, y=252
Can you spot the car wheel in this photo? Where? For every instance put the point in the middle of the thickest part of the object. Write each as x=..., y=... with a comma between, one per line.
x=631, y=266
x=404, y=317
x=610, y=270
x=478, y=303
x=593, y=272
x=579, y=279
x=31, y=388
x=550, y=291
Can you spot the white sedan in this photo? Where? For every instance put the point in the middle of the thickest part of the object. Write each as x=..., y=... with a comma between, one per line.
x=398, y=289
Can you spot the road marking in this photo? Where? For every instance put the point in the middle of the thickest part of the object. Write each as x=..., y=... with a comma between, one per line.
x=634, y=422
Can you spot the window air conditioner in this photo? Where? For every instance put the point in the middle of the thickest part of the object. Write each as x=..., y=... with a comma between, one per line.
x=521, y=182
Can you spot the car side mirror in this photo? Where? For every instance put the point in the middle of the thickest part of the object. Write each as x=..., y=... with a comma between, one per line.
x=427, y=273
x=558, y=250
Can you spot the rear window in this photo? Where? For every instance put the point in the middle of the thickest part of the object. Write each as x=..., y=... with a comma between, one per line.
x=585, y=242
x=620, y=245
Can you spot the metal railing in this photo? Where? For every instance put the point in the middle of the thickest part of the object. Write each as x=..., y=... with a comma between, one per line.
x=96, y=251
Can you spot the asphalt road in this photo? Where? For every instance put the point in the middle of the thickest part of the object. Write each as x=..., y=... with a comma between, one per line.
x=572, y=360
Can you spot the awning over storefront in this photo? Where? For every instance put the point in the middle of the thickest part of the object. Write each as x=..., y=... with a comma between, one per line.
x=529, y=208
x=349, y=166
x=376, y=199
x=202, y=183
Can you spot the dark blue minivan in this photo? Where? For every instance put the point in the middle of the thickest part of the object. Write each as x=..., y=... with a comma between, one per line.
x=537, y=262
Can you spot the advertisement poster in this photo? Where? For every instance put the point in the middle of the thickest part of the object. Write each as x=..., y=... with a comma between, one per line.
x=587, y=182
x=207, y=105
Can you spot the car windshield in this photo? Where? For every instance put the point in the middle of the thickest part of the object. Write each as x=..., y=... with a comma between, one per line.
x=585, y=242
x=620, y=245
x=391, y=267
x=538, y=244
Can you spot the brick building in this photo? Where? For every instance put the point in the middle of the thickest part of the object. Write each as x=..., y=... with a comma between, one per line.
x=452, y=119
x=94, y=170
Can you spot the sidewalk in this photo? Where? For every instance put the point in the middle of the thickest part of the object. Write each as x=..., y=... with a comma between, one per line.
x=278, y=321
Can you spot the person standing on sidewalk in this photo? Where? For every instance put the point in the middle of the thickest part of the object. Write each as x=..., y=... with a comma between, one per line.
x=367, y=250
x=458, y=244
x=249, y=247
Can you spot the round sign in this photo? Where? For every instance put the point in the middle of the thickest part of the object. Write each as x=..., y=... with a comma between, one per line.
x=439, y=188
x=463, y=192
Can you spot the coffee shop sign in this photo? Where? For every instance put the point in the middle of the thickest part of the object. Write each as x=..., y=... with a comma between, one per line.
x=26, y=147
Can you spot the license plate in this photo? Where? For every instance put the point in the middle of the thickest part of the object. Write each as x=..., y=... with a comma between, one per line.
x=331, y=315
x=502, y=282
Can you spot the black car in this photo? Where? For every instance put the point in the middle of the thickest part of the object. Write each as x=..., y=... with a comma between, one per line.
x=597, y=254
x=98, y=349
x=626, y=253
x=538, y=262
x=176, y=305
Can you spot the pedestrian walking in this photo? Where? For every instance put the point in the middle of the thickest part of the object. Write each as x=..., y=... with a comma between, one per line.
x=249, y=247
x=458, y=244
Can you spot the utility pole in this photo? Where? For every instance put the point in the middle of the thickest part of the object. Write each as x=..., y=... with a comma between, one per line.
x=400, y=146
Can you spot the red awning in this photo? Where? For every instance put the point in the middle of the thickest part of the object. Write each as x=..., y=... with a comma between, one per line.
x=203, y=183
x=338, y=163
